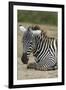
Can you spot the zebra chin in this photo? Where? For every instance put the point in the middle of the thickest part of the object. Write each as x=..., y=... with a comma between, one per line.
x=24, y=58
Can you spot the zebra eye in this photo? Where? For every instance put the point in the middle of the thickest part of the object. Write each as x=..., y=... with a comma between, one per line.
x=31, y=42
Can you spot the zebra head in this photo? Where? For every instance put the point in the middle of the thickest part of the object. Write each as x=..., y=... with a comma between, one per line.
x=28, y=42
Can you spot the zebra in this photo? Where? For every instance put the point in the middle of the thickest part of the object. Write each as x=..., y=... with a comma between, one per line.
x=44, y=49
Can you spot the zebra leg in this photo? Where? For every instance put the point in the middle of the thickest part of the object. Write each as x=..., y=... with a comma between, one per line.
x=41, y=68
x=36, y=67
x=31, y=66
x=44, y=68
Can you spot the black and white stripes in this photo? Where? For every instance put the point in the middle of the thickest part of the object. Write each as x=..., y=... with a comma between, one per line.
x=46, y=50
x=43, y=48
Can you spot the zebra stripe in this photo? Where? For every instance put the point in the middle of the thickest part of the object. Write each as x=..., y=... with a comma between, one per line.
x=45, y=50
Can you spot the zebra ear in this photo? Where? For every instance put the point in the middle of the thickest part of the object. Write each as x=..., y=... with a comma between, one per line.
x=36, y=32
x=23, y=29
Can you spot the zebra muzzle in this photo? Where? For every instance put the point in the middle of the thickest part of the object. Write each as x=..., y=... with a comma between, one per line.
x=24, y=58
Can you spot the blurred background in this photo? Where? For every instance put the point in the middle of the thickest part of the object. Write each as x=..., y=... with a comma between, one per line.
x=38, y=17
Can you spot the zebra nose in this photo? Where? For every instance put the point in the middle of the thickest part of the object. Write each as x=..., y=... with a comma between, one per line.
x=24, y=58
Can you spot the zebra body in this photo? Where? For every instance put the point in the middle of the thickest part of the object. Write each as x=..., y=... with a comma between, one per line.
x=43, y=48
x=46, y=51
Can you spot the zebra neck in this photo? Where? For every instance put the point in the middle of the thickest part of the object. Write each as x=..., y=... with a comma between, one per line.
x=40, y=42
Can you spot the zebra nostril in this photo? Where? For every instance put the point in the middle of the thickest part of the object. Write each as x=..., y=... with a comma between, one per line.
x=24, y=58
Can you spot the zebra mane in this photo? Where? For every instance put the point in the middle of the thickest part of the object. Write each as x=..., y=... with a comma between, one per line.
x=43, y=33
x=37, y=27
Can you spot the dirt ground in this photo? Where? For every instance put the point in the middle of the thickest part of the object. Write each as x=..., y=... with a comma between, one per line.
x=22, y=71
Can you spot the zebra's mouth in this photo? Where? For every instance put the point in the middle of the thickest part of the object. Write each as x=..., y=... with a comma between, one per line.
x=24, y=58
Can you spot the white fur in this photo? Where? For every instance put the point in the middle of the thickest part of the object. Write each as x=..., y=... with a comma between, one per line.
x=23, y=29
x=36, y=32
